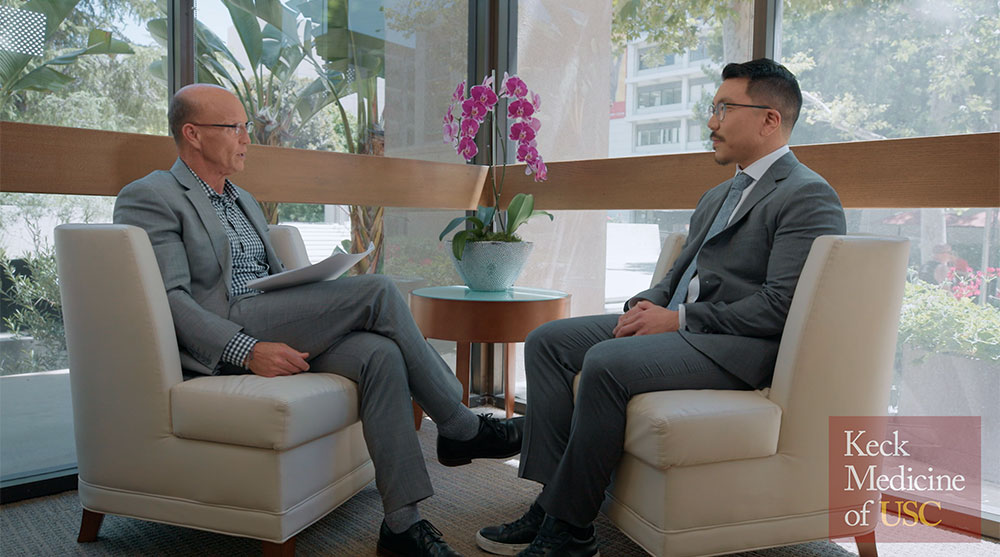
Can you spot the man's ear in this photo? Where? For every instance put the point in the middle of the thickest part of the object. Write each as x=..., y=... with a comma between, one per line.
x=190, y=134
x=772, y=122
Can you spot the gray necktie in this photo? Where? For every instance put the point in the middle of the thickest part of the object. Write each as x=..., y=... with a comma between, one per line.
x=739, y=183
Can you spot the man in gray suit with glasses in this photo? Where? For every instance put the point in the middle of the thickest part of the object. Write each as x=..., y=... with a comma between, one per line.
x=210, y=239
x=714, y=321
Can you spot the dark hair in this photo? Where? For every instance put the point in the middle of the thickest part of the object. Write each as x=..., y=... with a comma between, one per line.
x=770, y=83
x=178, y=113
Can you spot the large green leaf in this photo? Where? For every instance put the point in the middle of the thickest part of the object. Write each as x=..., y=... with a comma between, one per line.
x=102, y=42
x=11, y=63
x=42, y=78
x=55, y=11
x=245, y=21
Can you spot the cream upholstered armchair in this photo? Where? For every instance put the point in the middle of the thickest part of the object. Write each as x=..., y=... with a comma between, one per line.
x=240, y=455
x=711, y=472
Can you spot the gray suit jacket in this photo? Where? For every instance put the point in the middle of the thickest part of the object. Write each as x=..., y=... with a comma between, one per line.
x=748, y=272
x=193, y=253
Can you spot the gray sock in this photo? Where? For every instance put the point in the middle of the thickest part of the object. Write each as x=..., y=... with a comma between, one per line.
x=461, y=426
x=401, y=519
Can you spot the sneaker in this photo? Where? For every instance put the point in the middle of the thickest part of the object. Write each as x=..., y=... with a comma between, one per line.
x=495, y=439
x=420, y=540
x=555, y=539
x=512, y=537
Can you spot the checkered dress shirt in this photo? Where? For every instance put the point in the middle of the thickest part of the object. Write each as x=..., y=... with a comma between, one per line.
x=249, y=259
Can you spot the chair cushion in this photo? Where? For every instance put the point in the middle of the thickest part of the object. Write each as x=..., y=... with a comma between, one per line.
x=683, y=428
x=275, y=413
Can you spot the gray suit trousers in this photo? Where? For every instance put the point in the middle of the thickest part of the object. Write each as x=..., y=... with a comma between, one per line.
x=573, y=448
x=361, y=328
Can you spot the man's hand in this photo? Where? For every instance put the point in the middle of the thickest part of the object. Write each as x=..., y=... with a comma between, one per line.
x=273, y=359
x=646, y=318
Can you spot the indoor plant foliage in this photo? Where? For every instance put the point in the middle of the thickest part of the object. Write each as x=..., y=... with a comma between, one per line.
x=461, y=130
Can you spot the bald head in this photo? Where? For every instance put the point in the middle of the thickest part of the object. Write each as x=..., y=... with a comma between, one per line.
x=190, y=102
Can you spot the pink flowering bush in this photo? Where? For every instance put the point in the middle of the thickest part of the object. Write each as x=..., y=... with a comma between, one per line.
x=970, y=284
x=461, y=131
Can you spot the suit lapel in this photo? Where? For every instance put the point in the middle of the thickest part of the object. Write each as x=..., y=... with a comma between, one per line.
x=767, y=183
x=209, y=218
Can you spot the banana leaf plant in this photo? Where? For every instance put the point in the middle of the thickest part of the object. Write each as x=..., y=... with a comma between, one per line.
x=278, y=39
x=20, y=71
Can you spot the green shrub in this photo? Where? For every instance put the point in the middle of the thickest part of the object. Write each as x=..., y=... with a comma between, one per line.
x=408, y=256
x=935, y=320
x=37, y=313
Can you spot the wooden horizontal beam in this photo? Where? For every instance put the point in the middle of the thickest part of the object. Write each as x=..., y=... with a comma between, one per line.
x=946, y=171
x=50, y=159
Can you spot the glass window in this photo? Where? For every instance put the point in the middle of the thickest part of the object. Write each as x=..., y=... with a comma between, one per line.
x=904, y=69
x=595, y=44
x=94, y=68
x=659, y=94
x=652, y=57
x=658, y=134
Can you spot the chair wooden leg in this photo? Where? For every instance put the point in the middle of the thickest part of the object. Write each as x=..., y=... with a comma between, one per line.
x=286, y=549
x=90, y=525
x=418, y=415
x=866, y=545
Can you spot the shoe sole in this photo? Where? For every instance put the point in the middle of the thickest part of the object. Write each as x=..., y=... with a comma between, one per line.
x=498, y=548
x=452, y=462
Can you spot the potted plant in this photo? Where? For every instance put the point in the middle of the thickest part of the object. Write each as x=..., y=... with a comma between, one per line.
x=489, y=258
x=950, y=361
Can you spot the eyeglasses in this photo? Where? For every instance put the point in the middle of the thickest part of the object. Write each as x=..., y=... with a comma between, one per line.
x=236, y=129
x=719, y=110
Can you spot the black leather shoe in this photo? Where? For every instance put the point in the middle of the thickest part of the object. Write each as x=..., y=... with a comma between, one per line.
x=512, y=537
x=420, y=540
x=496, y=439
x=555, y=539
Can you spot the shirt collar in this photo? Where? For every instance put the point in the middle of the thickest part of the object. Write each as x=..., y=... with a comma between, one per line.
x=760, y=166
x=228, y=191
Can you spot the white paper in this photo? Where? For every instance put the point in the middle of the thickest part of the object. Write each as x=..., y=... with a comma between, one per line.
x=330, y=268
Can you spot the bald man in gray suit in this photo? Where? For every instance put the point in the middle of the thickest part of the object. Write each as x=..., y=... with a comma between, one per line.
x=210, y=239
x=714, y=321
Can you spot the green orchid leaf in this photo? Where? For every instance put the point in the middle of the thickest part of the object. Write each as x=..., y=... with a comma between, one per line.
x=458, y=243
x=519, y=211
x=451, y=226
x=540, y=213
x=485, y=215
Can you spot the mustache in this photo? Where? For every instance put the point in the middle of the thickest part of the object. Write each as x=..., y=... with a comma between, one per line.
x=714, y=135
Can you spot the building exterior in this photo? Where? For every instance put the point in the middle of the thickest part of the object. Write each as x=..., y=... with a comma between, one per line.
x=655, y=101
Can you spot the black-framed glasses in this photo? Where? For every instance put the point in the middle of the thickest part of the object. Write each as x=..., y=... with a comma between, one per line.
x=719, y=110
x=237, y=129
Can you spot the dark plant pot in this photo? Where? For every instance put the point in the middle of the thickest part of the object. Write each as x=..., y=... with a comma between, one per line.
x=491, y=266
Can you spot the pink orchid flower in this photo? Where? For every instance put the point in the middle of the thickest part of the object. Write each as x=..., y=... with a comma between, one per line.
x=513, y=87
x=467, y=148
x=469, y=127
x=459, y=92
x=521, y=132
x=541, y=171
x=485, y=95
x=526, y=153
x=535, y=123
x=536, y=101
x=520, y=109
x=451, y=130
x=471, y=108
x=488, y=81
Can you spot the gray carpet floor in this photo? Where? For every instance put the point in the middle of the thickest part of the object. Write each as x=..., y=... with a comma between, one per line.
x=467, y=498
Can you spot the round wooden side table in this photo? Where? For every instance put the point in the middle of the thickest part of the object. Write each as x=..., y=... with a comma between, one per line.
x=466, y=316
